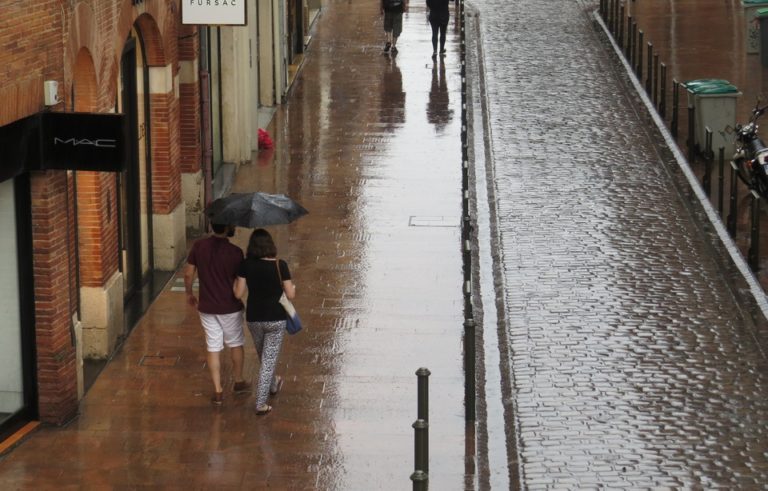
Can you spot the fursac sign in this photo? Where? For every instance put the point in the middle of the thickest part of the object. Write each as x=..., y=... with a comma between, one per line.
x=84, y=141
x=213, y=12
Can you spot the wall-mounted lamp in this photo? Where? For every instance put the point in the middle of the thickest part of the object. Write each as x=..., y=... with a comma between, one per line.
x=51, y=92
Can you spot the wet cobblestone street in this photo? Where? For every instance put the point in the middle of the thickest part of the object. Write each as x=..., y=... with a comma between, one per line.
x=631, y=363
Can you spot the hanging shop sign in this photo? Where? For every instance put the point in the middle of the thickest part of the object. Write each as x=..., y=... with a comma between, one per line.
x=19, y=145
x=64, y=141
x=84, y=141
x=213, y=12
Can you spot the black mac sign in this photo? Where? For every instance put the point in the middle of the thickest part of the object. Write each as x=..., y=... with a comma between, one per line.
x=84, y=141
x=66, y=141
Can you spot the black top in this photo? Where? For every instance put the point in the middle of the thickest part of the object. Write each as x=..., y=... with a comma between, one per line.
x=393, y=5
x=438, y=10
x=264, y=289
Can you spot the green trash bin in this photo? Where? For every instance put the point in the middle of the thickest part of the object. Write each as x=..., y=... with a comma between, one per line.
x=714, y=101
x=752, y=32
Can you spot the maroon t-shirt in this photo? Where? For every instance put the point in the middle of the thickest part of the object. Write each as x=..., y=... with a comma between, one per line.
x=217, y=261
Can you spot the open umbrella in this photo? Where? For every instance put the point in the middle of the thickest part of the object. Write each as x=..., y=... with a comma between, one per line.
x=253, y=210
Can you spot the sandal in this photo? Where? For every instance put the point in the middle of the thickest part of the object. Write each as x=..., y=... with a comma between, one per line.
x=260, y=411
x=276, y=388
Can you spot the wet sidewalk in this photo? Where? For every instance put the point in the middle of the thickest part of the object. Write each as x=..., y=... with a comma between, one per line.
x=370, y=145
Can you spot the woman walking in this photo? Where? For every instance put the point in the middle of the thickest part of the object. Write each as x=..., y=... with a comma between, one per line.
x=265, y=278
x=438, y=18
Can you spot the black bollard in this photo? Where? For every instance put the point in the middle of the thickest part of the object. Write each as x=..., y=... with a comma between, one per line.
x=720, y=180
x=621, y=27
x=649, y=71
x=465, y=175
x=675, y=107
x=640, y=45
x=707, y=180
x=691, y=134
x=628, y=46
x=633, y=51
x=469, y=369
x=731, y=221
x=420, y=481
x=656, y=80
x=663, y=91
x=753, y=254
x=423, y=393
x=421, y=446
x=467, y=256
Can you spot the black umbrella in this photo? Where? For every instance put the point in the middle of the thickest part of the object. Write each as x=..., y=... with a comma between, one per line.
x=253, y=210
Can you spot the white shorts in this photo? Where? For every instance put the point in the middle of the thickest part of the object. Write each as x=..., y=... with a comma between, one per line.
x=223, y=329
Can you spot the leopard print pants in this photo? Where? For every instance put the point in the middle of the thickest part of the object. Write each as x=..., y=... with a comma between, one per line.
x=268, y=338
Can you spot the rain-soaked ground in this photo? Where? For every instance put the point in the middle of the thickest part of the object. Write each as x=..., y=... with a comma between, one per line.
x=630, y=362
x=370, y=145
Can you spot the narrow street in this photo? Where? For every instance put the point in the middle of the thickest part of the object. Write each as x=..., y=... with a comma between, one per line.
x=630, y=363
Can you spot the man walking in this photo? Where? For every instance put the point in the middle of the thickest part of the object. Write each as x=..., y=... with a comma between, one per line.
x=215, y=261
x=393, y=22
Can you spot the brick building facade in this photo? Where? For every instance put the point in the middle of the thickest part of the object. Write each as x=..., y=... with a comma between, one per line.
x=86, y=241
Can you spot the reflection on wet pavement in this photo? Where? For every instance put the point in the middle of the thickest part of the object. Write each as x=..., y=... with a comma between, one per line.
x=377, y=266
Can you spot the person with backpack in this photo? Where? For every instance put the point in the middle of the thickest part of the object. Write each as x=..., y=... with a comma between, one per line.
x=393, y=22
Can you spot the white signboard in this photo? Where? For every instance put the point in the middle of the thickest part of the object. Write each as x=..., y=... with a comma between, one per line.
x=213, y=12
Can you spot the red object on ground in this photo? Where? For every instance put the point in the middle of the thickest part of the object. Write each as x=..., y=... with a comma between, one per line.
x=265, y=141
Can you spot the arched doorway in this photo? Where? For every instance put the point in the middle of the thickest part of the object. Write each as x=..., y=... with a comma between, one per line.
x=135, y=183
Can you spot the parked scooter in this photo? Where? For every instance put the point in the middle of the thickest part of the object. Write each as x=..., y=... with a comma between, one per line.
x=751, y=156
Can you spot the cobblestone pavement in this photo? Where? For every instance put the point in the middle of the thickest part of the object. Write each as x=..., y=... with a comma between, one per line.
x=370, y=144
x=631, y=364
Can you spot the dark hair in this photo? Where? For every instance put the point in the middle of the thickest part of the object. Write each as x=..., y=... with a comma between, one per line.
x=261, y=244
x=219, y=228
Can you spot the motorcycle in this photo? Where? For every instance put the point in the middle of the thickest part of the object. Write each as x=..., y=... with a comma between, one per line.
x=751, y=155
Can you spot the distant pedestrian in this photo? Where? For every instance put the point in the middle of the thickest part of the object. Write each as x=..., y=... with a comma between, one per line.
x=265, y=278
x=439, y=15
x=215, y=261
x=393, y=21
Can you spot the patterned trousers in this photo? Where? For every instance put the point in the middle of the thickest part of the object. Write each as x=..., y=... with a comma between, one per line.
x=268, y=338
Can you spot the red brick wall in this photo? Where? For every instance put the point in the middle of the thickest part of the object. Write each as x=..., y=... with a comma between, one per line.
x=189, y=105
x=97, y=227
x=42, y=40
x=56, y=369
x=166, y=173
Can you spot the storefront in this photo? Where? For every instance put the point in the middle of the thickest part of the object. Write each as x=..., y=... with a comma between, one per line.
x=18, y=389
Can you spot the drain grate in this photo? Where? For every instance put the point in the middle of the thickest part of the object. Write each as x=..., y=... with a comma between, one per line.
x=430, y=221
x=178, y=285
x=159, y=361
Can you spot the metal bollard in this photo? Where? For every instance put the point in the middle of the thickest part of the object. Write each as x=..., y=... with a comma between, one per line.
x=469, y=369
x=720, y=180
x=628, y=47
x=467, y=253
x=621, y=27
x=656, y=80
x=640, y=45
x=649, y=71
x=420, y=481
x=632, y=52
x=675, y=107
x=465, y=175
x=732, y=209
x=753, y=255
x=691, y=134
x=423, y=393
x=663, y=91
x=421, y=446
x=707, y=180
